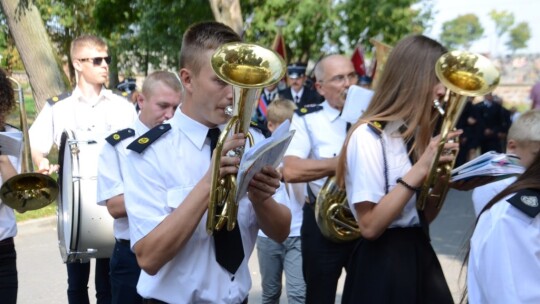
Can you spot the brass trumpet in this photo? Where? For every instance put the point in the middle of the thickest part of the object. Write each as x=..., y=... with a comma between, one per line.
x=465, y=75
x=248, y=68
x=28, y=190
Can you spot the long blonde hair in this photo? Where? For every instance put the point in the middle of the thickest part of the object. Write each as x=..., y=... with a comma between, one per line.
x=405, y=92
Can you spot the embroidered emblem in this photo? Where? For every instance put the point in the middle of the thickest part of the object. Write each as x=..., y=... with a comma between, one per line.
x=530, y=201
x=143, y=140
x=116, y=136
x=55, y=98
x=303, y=110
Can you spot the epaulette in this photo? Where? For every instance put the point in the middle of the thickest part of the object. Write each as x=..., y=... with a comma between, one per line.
x=121, y=93
x=261, y=127
x=145, y=140
x=526, y=200
x=311, y=108
x=116, y=137
x=57, y=98
x=376, y=126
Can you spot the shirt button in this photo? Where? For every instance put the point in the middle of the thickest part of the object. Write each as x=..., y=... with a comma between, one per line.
x=232, y=279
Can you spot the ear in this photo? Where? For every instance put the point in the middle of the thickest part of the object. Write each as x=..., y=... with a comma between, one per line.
x=140, y=100
x=511, y=146
x=186, y=76
x=77, y=65
x=319, y=88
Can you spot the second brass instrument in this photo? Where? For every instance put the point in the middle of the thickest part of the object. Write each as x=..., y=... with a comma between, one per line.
x=465, y=75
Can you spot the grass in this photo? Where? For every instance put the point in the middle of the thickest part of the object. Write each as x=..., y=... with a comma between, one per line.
x=14, y=119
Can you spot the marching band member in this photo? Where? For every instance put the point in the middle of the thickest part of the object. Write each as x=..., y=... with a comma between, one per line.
x=311, y=158
x=504, y=265
x=8, y=227
x=394, y=261
x=92, y=112
x=161, y=95
x=167, y=186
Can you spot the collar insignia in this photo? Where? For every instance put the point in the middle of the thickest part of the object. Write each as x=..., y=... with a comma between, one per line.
x=530, y=201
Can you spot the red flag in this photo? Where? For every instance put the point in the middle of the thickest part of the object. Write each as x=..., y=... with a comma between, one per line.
x=358, y=61
x=279, y=46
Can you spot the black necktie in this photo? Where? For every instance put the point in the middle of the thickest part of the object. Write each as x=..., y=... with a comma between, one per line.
x=229, y=249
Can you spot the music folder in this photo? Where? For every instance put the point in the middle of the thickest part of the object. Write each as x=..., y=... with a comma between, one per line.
x=491, y=164
x=269, y=151
x=357, y=101
x=11, y=143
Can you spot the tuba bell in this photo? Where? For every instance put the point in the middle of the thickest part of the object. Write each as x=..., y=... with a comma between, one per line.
x=28, y=190
x=465, y=75
x=333, y=215
x=248, y=68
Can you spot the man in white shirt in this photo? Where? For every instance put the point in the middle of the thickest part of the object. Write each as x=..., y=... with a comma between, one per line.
x=91, y=112
x=161, y=94
x=168, y=184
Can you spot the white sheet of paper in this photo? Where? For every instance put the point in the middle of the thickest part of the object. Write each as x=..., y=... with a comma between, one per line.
x=358, y=99
x=269, y=151
x=11, y=143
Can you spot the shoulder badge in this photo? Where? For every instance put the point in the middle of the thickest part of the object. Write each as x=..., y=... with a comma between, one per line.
x=57, y=98
x=261, y=127
x=376, y=126
x=311, y=108
x=527, y=200
x=116, y=137
x=145, y=140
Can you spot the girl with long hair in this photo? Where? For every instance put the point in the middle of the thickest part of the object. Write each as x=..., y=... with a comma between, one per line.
x=384, y=161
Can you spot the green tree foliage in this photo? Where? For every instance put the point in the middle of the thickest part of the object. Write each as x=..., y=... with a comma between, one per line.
x=461, y=31
x=519, y=36
x=313, y=26
x=503, y=21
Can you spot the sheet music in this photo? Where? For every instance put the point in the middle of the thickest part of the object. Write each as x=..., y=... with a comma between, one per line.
x=11, y=143
x=269, y=151
x=357, y=101
x=488, y=164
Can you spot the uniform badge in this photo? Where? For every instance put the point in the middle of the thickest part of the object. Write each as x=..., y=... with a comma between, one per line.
x=376, y=126
x=117, y=137
x=57, y=98
x=145, y=140
x=526, y=201
x=308, y=109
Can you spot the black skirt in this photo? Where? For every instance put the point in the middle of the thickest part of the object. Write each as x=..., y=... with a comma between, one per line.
x=399, y=267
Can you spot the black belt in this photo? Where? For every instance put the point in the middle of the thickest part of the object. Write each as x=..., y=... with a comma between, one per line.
x=8, y=241
x=154, y=301
x=123, y=242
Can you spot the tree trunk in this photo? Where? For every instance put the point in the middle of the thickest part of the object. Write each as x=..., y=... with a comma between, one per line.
x=228, y=12
x=42, y=66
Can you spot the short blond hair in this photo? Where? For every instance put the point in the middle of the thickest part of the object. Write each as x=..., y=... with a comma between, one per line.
x=87, y=41
x=526, y=128
x=280, y=110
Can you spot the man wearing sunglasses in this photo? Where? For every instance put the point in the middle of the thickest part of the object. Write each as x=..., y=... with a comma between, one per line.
x=92, y=112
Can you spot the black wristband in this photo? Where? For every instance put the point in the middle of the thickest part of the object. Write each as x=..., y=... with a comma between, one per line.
x=402, y=182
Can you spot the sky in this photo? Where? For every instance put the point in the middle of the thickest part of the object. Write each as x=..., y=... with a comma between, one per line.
x=523, y=10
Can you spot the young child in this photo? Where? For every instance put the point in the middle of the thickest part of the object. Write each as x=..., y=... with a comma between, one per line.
x=274, y=257
x=524, y=142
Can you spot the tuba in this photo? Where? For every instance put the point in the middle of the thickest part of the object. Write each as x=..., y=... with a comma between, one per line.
x=28, y=190
x=333, y=215
x=248, y=68
x=465, y=75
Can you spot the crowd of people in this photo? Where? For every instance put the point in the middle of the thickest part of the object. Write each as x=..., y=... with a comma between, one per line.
x=159, y=159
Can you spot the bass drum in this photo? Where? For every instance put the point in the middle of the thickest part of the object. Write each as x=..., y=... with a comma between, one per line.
x=85, y=229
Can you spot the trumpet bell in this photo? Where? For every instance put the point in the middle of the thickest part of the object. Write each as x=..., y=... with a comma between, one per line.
x=29, y=191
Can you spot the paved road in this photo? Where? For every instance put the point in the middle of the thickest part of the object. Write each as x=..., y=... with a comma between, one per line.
x=42, y=275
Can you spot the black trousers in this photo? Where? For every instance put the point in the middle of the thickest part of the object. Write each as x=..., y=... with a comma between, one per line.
x=8, y=272
x=322, y=260
x=398, y=267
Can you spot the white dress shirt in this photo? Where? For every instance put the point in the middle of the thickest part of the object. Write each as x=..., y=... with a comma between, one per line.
x=8, y=225
x=504, y=262
x=89, y=118
x=319, y=135
x=483, y=194
x=157, y=181
x=297, y=95
x=365, y=179
x=110, y=182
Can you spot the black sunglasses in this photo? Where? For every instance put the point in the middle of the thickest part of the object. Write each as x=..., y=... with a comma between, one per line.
x=97, y=60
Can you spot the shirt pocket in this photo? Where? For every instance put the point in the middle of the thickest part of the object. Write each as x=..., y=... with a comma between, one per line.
x=177, y=195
